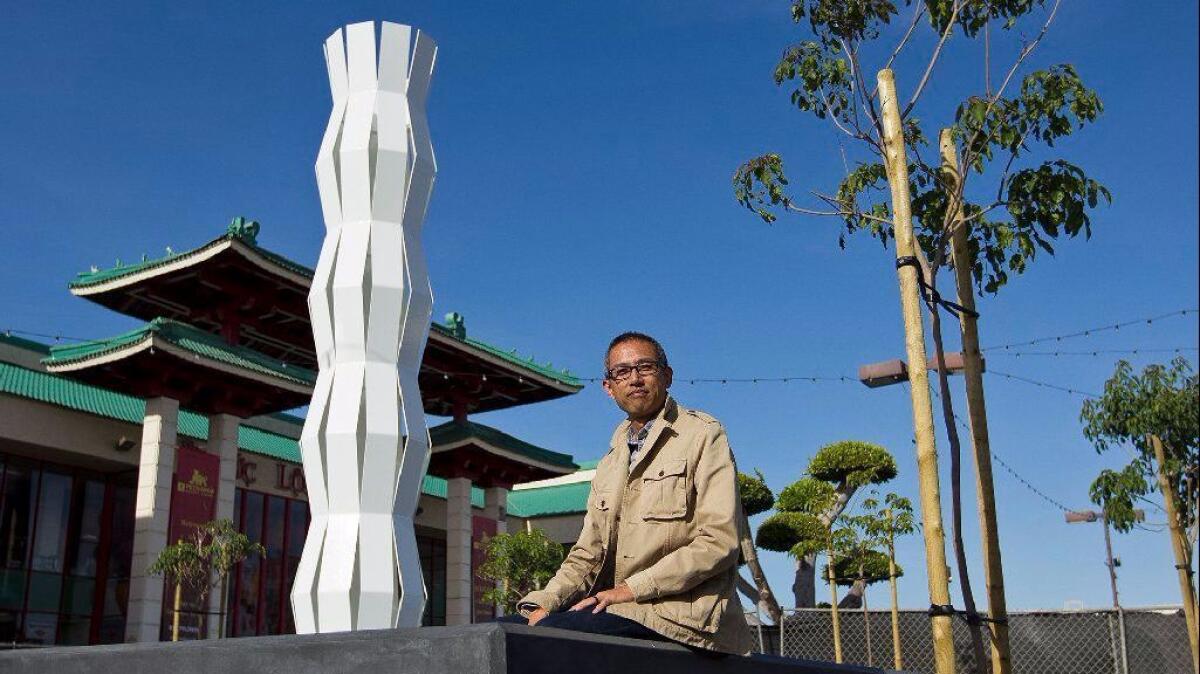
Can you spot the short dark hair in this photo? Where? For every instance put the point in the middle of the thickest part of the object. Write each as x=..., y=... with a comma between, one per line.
x=660, y=354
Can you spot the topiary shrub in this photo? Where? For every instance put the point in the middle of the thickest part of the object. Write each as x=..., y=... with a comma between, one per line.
x=794, y=533
x=806, y=495
x=756, y=496
x=855, y=462
x=874, y=567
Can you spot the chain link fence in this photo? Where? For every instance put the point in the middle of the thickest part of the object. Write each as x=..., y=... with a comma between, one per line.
x=1105, y=641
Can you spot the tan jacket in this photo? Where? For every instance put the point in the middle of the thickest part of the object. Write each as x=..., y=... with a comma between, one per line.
x=676, y=524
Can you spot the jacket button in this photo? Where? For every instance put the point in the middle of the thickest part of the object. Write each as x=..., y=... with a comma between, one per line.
x=660, y=473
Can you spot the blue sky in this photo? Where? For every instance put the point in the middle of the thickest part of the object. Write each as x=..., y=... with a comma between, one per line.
x=585, y=155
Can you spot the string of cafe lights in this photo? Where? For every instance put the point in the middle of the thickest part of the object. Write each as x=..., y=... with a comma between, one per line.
x=1042, y=384
x=1004, y=464
x=1092, y=331
x=1097, y=352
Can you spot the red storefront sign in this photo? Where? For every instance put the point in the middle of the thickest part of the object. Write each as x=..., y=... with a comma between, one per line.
x=194, y=490
x=482, y=529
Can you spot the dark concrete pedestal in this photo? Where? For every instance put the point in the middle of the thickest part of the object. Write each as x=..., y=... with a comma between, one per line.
x=490, y=648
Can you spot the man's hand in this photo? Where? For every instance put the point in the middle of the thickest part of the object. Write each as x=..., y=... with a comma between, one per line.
x=536, y=615
x=618, y=595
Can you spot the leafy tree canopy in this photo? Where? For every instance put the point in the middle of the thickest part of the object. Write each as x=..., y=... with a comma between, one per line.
x=519, y=563
x=807, y=495
x=1029, y=206
x=1164, y=401
x=798, y=534
x=854, y=462
x=874, y=567
x=755, y=494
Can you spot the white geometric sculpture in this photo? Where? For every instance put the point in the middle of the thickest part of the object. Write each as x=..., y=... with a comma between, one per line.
x=365, y=445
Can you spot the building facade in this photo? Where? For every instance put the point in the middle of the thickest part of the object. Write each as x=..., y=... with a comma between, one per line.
x=111, y=449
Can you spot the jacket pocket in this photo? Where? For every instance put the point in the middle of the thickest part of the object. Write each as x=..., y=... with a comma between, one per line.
x=665, y=490
x=699, y=609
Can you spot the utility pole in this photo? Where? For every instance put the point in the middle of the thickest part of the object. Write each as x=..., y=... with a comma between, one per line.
x=922, y=407
x=1081, y=516
x=993, y=567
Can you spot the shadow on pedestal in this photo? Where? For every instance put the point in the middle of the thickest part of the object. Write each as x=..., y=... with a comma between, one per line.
x=490, y=648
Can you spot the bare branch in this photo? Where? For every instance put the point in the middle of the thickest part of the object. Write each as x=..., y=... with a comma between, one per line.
x=833, y=117
x=840, y=214
x=937, y=51
x=987, y=58
x=903, y=41
x=968, y=157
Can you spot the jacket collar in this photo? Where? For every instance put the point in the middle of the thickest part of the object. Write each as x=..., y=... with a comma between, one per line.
x=661, y=423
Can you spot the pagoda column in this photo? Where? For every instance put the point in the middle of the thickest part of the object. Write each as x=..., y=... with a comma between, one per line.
x=495, y=507
x=458, y=551
x=222, y=441
x=156, y=467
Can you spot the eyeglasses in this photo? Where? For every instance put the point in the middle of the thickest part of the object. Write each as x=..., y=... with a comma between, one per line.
x=644, y=368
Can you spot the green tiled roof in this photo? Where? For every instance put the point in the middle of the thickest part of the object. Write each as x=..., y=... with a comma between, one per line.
x=562, y=376
x=589, y=465
x=190, y=339
x=91, y=278
x=22, y=343
x=455, y=431
x=68, y=393
x=560, y=499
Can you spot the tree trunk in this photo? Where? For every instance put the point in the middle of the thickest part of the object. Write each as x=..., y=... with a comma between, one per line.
x=854, y=596
x=1179, y=545
x=898, y=661
x=760, y=593
x=960, y=554
x=804, y=584
x=833, y=607
x=866, y=622
x=175, y=618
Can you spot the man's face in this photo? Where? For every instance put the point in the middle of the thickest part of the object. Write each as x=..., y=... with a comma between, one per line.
x=639, y=395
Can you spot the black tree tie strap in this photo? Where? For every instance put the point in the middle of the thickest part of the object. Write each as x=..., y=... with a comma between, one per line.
x=936, y=610
x=931, y=296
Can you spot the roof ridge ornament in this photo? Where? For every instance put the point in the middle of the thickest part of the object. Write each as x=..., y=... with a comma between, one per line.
x=244, y=229
x=457, y=324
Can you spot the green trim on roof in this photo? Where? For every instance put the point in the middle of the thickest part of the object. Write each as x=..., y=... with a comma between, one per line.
x=436, y=487
x=588, y=465
x=91, y=278
x=559, y=499
x=22, y=343
x=190, y=339
x=456, y=431
x=562, y=376
x=67, y=393
x=70, y=394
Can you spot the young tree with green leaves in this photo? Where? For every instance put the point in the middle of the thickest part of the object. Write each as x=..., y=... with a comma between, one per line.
x=881, y=523
x=203, y=561
x=756, y=498
x=808, y=510
x=518, y=563
x=1158, y=414
x=1008, y=202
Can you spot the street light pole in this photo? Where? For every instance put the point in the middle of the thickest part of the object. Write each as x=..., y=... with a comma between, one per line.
x=1081, y=516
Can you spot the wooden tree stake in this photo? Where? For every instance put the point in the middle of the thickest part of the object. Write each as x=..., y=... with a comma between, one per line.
x=993, y=569
x=898, y=660
x=1183, y=563
x=922, y=407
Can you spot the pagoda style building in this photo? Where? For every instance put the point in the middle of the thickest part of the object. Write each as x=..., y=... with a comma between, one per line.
x=228, y=336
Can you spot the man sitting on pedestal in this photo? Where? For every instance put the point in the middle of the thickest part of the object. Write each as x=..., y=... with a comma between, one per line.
x=657, y=557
